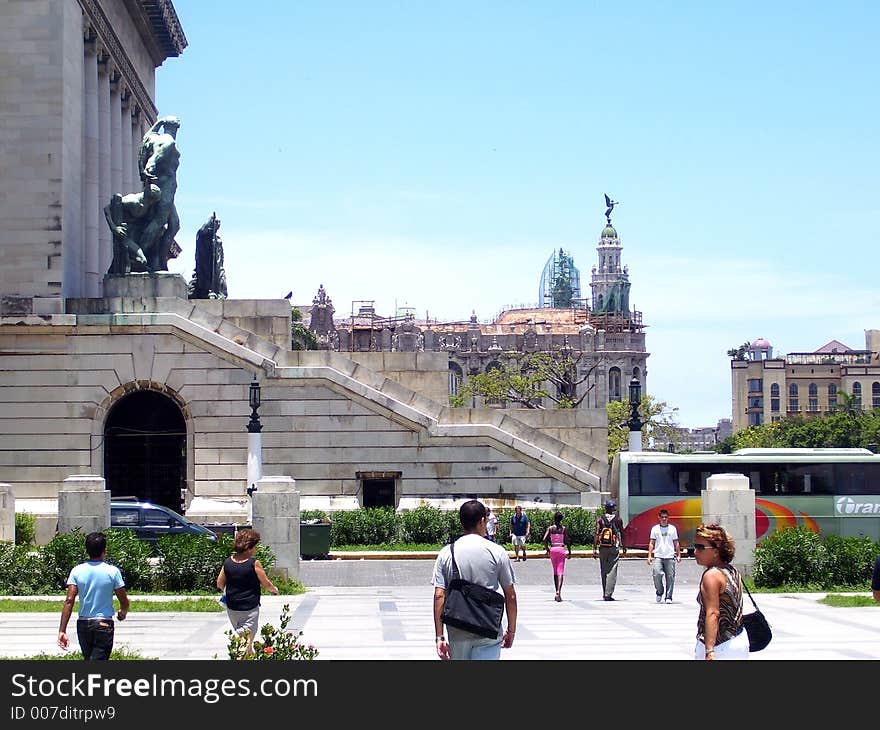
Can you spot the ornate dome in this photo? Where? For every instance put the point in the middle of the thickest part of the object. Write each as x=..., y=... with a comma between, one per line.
x=609, y=232
x=760, y=344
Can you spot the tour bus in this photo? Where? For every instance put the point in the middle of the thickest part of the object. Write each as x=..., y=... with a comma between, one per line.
x=829, y=491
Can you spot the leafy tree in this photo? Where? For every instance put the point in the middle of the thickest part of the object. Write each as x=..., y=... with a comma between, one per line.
x=739, y=353
x=846, y=428
x=656, y=425
x=301, y=337
x=530, y=378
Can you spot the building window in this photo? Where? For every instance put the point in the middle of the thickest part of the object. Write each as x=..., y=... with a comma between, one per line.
x=756, y=385
x=875, y=395
x=614, y=384
x=774, y=397
x=793, y=406
x=857, y=395
x=756, y=419
x=813, y=404
x=832, y=396
x=455, y=378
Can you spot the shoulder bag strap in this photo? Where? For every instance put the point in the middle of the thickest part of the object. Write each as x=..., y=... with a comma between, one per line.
x=748, y=593
x=455, y=573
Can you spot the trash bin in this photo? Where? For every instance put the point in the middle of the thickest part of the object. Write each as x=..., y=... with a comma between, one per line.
x=314, y=539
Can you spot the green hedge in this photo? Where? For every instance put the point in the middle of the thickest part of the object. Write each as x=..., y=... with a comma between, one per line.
x=185, y=563
x=796, y=557
x=429, y=525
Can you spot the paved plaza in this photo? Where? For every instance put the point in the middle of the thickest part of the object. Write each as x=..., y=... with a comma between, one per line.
x=381, y=609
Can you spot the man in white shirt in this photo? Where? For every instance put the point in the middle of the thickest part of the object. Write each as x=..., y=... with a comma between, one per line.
x=664, y=551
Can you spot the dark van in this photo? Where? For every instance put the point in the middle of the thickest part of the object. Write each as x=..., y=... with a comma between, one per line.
x=151, y=521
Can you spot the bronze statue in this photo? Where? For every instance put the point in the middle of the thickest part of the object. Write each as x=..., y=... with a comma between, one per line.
x=209, y=278
x=158, y=161
x=610, y=206
x=128, y=216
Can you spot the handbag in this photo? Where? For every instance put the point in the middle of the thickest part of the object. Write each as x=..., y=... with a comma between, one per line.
x=756, y=626
x=472, y=607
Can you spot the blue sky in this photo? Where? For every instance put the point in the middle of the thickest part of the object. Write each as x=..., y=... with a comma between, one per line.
x=435, y=155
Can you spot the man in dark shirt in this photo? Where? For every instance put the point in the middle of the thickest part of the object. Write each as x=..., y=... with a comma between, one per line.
x=520, y=529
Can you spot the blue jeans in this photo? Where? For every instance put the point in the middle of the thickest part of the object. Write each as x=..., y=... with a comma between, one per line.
x=465, y=645
x=95, y=637
x=661, y=567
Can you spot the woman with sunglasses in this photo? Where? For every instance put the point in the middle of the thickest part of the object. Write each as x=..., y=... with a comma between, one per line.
x=720, y=632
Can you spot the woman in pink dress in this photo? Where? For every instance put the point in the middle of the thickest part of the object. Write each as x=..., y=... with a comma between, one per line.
x=556, y=543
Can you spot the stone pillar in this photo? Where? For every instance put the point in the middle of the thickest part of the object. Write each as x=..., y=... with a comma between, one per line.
x=7, y=513
x=128, y=174
x=275, y=505
x=84, y=502
x=730, y=501
x=592, y=500
x=116, y=183
x=635, y=441
x=91, y=203
x=105, y=241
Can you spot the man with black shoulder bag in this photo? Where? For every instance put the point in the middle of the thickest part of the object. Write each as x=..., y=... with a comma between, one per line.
x=472, y=578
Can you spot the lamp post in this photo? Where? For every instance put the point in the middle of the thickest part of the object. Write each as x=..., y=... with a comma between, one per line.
x=635, y=422
x=255, y=439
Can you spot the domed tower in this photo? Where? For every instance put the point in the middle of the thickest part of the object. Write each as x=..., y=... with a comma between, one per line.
x=619, y=338
x=760, y=349
x=610, y=283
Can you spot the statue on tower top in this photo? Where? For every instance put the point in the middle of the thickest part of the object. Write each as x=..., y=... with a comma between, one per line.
x=610, y=206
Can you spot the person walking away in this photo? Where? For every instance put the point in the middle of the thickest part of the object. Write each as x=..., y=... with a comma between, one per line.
x=875, y=580
x=664, y=551
x=479, y=561
x=720, y=632
x=95, y=582
x=241, y=577
x=491, y=524
x=608, y=542
x=556, y=542
x=520, y=530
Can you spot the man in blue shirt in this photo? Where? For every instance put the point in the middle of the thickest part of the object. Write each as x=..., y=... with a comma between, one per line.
x=95, y=582
x=520, y=529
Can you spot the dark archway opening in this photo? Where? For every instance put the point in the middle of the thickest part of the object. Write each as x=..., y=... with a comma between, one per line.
x=145, y=449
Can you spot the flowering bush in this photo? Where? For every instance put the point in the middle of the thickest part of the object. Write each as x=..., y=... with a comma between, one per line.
x=274, y=644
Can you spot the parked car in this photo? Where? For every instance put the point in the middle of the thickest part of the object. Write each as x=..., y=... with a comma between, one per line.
x=151, y=521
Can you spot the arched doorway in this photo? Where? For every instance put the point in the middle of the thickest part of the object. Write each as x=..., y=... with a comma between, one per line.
x=145, y=449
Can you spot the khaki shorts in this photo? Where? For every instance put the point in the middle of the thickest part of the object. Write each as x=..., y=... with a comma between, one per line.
x=243, y=621
x=518, y=540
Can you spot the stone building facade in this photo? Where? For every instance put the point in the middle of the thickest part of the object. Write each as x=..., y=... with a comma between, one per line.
x=607, y=338
x=78, y=98
x=767, y=388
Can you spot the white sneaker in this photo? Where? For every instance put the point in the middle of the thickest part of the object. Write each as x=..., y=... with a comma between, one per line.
x=659, y=599
x=668, y=600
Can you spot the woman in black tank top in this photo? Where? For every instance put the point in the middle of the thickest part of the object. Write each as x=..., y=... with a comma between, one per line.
x=241, y=577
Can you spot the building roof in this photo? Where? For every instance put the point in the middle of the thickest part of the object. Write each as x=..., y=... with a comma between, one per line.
x=834, y=346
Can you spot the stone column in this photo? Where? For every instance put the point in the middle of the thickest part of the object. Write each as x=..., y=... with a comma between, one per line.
x=105, y=242
x=7, y=513
x=84, y=502
x=128, y=175
x=116, y=183
x=91, y=203
x=276, y=517
x=592, y=500
x=730, y=501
